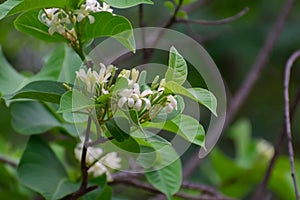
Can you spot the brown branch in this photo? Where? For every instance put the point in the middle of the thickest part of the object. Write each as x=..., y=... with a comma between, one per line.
x=146, y=186
x=288, y=130
x=278, y=148
x=84, y=168
x=216, y=22
x=172, y=19
x=247, y=85
x=8, y=162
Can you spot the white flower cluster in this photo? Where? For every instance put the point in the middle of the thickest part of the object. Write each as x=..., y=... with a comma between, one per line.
x=150, y=99
x=100, y=163
x=92, y=80
x=60, y=21
x=147, y=101
x=91, y=6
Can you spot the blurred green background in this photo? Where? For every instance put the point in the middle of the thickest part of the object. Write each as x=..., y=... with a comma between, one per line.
x=234, y=48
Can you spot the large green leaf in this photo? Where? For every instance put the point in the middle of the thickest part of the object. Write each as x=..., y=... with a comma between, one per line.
x=127, y=3
x=73, y=101
x=177, y=70
x=32, y=118
x=41, y=171
x=167, y=179
x=10, y=79
x=202, y=96
x=60, y=65
x=108, y=25
x=48, y=91
x=183, y=125
x=11, y=7
x=29, y=23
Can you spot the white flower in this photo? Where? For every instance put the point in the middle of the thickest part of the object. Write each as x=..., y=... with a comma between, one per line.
x=56, y=19
x=56, y=26
x=134, y=98
x=104, y=73
x=125, y=73
x=134, y=75
x=101, y=163
x=172, y=104
x=126, y=97
x=83, y=13
x=106, y=7
x=88, y=78
x=49, y=16
x=92, y=5
x=111, y=160
x=162, y=85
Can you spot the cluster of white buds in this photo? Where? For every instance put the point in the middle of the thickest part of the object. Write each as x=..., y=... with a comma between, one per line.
x=149, y=99
x=63, y=22
x=100, y=163
x=92, y=80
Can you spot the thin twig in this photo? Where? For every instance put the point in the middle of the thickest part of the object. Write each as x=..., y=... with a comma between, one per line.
x=168, y=24
x=142, y=24
x=260, y=62
x=7, y=161
x=215, y=22
x=259, y=194
x=247, y=85
x=173, y=17
x=287, y=76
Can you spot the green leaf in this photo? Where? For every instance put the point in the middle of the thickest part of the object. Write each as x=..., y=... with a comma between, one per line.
x=10, y=79
x=32, y=118
x=129, y=145
x=202, y=96
x=60, y=65
x=11, y=7
x=240, y=133
x=73, y=101
x=177, y=70
x=29, y=23
x=7, y=6
x=183, y=125
x=119, y=128
x=48, y=91
x=170, y=6
x=167, y=179
x=107, y=25
x=41, y=171
x=121, y=83
x=182, y=14
x=127, y=3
